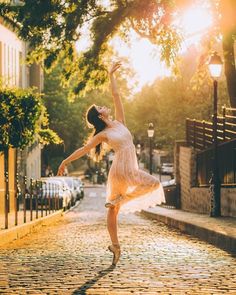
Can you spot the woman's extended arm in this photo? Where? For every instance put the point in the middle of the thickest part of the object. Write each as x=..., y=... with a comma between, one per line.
x=119, y=110
x=81, y=151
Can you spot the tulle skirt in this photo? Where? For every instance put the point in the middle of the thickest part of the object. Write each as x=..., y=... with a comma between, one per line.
x=139, y=190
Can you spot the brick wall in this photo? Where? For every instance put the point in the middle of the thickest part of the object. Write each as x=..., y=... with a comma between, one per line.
x=195, y=199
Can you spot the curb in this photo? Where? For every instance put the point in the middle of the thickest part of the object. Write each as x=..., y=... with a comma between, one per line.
x=225, y=242
x=19, y=231
x=71, y=208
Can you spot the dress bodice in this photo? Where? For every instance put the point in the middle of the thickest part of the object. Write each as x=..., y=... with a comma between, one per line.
x=119, y=137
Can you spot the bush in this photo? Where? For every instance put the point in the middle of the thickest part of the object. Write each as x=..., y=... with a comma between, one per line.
x=22, y=117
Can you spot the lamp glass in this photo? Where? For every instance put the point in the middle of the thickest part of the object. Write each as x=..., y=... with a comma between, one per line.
x=150, y=132
x=215, y=65
x=138, y=149
x=215, y=70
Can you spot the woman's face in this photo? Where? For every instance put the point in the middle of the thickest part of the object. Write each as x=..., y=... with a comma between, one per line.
x=104, y=111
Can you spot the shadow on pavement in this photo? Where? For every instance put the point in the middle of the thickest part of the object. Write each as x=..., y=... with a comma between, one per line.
x=87, y=285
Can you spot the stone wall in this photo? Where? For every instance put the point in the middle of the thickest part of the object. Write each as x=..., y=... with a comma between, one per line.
x=197, y=199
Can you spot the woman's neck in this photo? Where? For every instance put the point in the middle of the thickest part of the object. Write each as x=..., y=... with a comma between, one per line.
x=109, y=122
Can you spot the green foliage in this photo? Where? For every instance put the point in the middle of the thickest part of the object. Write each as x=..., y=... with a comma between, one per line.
x=21, y=116
x=167, y=103
x=49, y=136
x=52, y=27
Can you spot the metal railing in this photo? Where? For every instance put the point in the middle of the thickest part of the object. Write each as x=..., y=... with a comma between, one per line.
x=199, y=134
x=34, y=201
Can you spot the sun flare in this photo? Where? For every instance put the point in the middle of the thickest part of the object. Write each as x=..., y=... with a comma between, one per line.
x=193, y=23
x=144, y=57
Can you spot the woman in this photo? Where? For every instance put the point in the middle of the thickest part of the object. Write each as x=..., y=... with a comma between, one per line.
x=129, y=189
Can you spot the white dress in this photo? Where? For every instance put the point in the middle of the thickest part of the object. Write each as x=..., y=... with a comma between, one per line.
x=139, y=190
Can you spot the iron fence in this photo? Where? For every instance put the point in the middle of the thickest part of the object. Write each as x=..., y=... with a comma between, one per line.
x=199, y=135
x=33, y=201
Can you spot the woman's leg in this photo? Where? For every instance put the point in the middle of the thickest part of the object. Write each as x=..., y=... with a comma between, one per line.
x=112, y=225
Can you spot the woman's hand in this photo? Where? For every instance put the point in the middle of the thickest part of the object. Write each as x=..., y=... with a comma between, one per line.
x=61, y=169
x=114, y=67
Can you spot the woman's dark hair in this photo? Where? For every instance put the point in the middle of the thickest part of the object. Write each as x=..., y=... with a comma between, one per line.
x=93, y=119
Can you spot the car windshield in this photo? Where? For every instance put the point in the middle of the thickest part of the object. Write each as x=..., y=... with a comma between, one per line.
x=62, y=181
x=77, y=181
x=69, y=182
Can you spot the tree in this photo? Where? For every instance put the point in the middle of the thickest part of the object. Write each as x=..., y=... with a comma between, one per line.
x=52, y=27
x=168, y=102
x=23, y=118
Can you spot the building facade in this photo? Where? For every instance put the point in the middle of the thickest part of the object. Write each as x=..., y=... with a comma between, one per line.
x=15, y=73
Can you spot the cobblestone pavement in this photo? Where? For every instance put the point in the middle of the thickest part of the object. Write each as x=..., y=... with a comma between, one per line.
x=71, y=258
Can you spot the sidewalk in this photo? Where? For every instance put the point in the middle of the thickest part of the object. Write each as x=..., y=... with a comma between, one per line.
x=23, y=229
x=20, y=218
x=220, y=231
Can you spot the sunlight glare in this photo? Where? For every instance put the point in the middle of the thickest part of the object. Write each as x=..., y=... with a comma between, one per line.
x=194, y=21
x=144, y=58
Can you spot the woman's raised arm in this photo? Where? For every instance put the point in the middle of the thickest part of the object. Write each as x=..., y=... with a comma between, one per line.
x=93, y=142
x=119, y=110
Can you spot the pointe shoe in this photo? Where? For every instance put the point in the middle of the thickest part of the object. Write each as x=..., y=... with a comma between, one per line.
x=116, y=253
x=114, y=202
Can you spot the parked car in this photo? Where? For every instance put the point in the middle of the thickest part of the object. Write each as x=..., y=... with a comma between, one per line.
x=167, y=168
x=168, y=182
x=65, y=198
x=79, y=187
x=70, y=183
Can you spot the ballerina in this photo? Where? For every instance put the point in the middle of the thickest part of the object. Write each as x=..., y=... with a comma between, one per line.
x=129, y=189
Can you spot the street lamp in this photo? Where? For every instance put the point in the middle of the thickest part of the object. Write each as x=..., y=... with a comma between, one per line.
x=215, y=68
x=150, y=132
x=138, y=151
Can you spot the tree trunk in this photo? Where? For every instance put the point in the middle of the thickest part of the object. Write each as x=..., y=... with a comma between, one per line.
x=230, y=71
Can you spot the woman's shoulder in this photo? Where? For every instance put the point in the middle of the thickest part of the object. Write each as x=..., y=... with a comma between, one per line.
x=119, y=122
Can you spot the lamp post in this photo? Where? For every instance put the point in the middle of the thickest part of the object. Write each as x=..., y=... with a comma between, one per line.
x=138, y=151
x=150, y=132
x=215, y=67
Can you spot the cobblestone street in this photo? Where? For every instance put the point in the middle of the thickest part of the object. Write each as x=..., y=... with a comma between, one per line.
x=71, y=258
